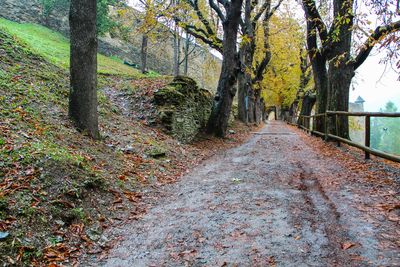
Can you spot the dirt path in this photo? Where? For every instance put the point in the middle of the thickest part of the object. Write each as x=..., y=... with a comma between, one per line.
x=260, y=204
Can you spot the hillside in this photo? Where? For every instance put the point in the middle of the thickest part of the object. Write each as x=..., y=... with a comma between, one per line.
x=54, y=47
x=58, y=188
x=123, y=42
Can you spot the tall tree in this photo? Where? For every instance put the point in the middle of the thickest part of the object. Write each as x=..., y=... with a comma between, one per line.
x=255, y=15
x=206, y=28
x=334, y=49
x=221, y=111
x=83, y=67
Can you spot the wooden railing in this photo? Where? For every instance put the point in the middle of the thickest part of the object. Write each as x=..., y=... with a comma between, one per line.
x=308, y=124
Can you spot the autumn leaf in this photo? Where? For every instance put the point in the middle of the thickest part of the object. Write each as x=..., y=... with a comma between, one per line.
x=347, y=245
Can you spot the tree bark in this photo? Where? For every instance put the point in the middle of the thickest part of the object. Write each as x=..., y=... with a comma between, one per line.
x=306, y=105
x=246, y=54
x=143, y=54
x=221, y=110
x=245, y=89
x=242, y=98
x=177, y=44
x=338, y=100
x=83, y=67
x=341, y=67
x=257, y=107
x=186, y=61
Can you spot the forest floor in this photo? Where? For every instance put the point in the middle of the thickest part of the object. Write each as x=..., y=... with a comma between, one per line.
x=281, y=199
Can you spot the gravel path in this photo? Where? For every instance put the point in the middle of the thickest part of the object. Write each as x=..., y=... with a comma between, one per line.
x=260, y=204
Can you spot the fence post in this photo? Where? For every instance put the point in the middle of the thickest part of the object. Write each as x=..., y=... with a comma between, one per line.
x=337, y=127
x=313, y=125
x=367, y=135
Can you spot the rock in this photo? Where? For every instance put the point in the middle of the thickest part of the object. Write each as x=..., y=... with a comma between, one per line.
x=231, y=132
x=59, y=222
x=183, y=108
x=128, y=149
x=156, y=152
x=4, y=235
x=103, y=241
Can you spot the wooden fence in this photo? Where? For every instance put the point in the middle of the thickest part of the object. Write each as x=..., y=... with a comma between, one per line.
x=308, y=124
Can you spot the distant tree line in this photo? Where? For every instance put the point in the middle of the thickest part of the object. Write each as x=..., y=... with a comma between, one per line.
x=385, y=132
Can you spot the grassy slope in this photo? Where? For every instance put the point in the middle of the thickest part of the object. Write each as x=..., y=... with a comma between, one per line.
x=55, y=47
x=58, y=188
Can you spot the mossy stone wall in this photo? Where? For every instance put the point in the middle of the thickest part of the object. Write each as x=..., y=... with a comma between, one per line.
x=183, y=108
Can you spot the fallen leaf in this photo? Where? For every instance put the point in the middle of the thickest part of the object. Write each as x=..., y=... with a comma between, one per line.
x=347, y=245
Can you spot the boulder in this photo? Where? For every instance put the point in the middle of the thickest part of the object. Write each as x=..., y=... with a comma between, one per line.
x=183, y=108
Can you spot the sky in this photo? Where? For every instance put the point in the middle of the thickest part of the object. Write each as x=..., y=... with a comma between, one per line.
x=375, y=85
x=374, y=82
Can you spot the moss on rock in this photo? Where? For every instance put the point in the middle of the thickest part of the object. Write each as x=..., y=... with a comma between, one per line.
x=183, y=108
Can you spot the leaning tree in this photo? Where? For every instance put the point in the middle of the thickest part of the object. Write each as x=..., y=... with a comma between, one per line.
x=330, y=48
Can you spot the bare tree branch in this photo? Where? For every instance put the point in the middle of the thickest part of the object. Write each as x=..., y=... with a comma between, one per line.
x=313, y=14
x=379, y=33
x=217, y=9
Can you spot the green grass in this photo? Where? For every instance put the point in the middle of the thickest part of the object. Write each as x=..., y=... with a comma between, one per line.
x=55, y=47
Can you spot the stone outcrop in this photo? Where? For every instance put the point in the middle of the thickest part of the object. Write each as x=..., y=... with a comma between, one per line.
x=183, y=108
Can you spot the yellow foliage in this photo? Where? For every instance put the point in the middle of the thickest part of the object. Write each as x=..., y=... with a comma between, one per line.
x=282, y=76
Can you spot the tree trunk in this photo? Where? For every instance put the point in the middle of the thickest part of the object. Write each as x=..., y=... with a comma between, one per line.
x=250, y=106
x=339, y=84
x=186, y=62
x=143, y=53
x=257, y=107
x=245, y=84
x=246, y=54
x=221, y=110
x=341, y=68
x=83, y=67
x=177, y=44
x=307, y=105
x=321, y=88
x=242, y=98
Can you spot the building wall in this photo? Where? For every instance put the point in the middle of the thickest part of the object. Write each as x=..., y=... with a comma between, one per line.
x=357, y=124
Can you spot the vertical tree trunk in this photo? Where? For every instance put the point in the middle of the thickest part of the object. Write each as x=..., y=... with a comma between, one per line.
x=83, y=66
x=143, y=53
x=339, y=83
x=250, y=106
x=246, y=54
x=341, y=68
x=220, y=113
x=186, y=62
x=306, y=106
x=321, y=88
x=245, y=99
x=257, y=107
x=177, y=44
x=242, y=95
